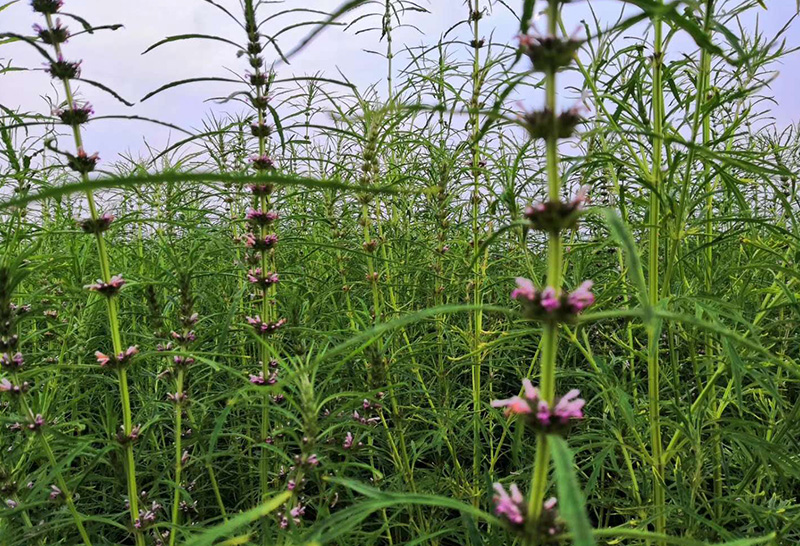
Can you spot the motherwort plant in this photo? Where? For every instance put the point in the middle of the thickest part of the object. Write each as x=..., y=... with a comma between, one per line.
x=540, y=408
x=75, y=115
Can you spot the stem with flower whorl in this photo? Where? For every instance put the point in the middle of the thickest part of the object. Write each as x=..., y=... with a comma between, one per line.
x=554, y=278
x=260, y=82
x=62, y=484
x=113, y=310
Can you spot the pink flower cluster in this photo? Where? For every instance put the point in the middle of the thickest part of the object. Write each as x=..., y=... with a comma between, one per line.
x=116, y=360
x=509, y=506
x=15, y=361
x=147, y=517
x=261, y=218
x=265, y=328
x=9, y=387
x=259, y=243
x=538, y=413
x=261, y=380
x=109, y=288
x=264, y=280
x=548, y=304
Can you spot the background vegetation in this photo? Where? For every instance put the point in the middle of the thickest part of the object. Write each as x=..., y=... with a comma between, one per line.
x=366, y=417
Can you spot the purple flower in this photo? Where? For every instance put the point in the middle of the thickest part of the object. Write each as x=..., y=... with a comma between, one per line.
x=260, y=130
x=261, y=218
x=37, y=423
x=183, y=361
x=539, y=413
x=55, y=492
x=261, y=380
x=83, y=163
x=109, y=288
x=96, y=225
x=118, y=359
x=64, y=70
x=258, y=79
x=15, y=361
x=517, y=405
x=56, y=35
x=524, y=290
x=9, y=387
x=262, y=162
x=261, y=189
x=46, y=7
x=265, y=280
x=582, y=297
x=185, y=338
x=348, y=441
x=262, y=327
x=511, y=507
x=259, y=243
x=550, y=301
x=11, y=504
x=569, y=407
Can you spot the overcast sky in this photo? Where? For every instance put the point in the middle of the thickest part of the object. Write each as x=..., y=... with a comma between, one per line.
x=115, y=59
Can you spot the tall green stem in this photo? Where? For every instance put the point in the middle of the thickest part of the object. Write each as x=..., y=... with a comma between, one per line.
x=477, y=296
x=178, y=459
x=653, y=365
x=113, y=317
x=549, y=350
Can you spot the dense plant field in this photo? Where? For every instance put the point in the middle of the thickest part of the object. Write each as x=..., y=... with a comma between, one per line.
x=524, y=290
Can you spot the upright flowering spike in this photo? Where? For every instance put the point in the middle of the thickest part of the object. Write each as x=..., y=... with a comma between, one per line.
x=510, y=507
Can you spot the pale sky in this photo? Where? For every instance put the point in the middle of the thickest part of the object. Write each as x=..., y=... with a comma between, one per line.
x=114, y=58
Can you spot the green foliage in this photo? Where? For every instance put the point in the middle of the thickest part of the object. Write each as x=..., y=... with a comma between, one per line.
x=401, y=227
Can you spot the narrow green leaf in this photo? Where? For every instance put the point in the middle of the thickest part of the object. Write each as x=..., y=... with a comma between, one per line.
x=215, y=533
x=571, y=504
